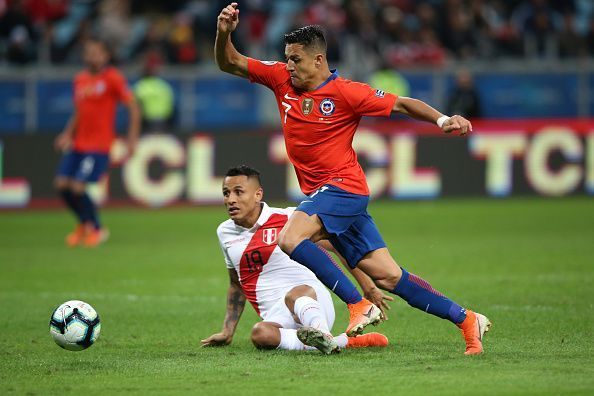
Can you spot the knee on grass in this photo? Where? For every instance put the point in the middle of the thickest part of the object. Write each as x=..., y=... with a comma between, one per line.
x=264, y=336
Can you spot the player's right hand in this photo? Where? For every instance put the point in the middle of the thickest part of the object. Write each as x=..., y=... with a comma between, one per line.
x=63, y=142
x=218, y=339
x=228, y=19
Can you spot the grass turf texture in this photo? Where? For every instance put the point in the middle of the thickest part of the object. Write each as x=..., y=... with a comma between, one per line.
x=159, y=286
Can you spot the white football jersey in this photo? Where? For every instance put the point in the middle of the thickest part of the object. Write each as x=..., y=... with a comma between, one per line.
x=265, y=272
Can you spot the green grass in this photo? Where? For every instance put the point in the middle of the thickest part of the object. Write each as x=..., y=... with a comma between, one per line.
x=160, y=283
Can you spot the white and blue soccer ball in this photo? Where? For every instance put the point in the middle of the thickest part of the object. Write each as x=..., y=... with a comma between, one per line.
x=75, y=325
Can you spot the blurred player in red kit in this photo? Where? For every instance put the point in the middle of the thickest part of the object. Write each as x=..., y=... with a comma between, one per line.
x=87, y=138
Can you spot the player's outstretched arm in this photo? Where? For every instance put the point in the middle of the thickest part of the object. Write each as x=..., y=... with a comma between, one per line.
x=235, y=306
x=422, y=111
x=370, y=290
x=227, y=57
x=133, y=125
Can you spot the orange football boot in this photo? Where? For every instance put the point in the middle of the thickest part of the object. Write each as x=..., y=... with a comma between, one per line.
x=368, y=340
x=76, y=237
x=361, y=315
x=95, y=237
x=473, y=329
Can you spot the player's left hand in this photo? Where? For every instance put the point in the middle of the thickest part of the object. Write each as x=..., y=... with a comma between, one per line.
x=63, y=142
x=457, y=123
x=218, y=339
x=380, y=299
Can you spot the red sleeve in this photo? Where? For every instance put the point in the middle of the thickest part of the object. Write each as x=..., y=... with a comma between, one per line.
x=268, y=73
x=120, y=87
x=367, y=101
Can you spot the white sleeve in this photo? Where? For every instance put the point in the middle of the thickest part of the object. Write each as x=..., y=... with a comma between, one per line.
x=228, y=261
x=290, y=210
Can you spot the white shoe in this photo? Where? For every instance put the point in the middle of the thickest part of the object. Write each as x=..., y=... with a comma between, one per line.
x=318, y=339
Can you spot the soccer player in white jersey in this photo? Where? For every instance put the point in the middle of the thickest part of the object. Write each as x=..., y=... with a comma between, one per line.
x=296, y=309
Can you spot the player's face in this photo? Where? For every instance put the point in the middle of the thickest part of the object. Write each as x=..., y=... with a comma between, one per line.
x=242, y=196
x=303, y=65
x=95, y=55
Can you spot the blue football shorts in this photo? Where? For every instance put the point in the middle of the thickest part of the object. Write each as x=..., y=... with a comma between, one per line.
x=83, y=167
x=353, y=232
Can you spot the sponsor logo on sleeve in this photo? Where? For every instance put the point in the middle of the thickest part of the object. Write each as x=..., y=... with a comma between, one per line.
x=268, y=63
x=379, y=93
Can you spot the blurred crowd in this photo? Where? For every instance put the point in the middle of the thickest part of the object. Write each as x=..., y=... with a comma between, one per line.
x=383, y=33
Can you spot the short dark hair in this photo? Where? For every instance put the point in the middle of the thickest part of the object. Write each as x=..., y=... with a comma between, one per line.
x=311, y=36
x=244, y=170
x=99, y=40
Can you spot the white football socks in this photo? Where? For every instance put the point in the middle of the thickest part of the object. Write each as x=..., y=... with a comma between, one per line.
x=290, y=342
x=341, y=340
x=310, y=314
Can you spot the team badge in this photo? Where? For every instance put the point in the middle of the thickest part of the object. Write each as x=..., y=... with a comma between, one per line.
x=327, y=107
x=379, y=93
x=269, y=236
x=307, y=105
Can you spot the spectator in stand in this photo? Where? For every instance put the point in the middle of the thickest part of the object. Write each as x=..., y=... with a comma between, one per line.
x=182, y=46
x=155, y=96
x=464, y=99
x=16, y=30
x=571, y=44
x=370, y=32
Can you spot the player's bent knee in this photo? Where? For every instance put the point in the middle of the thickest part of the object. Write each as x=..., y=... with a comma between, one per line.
x=78, y=187
x=263, y=336
x=387, y=282
x=287, y=241
x=61, y=184
x=296, y=292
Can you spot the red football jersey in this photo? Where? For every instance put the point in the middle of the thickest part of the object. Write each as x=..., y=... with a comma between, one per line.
x=319, y=125
x=96, y=97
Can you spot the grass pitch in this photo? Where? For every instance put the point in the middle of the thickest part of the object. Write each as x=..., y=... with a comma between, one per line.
x=159, y=286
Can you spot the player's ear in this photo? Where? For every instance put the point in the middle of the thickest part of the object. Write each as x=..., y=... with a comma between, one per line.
x=259, y=194
x=319, y=60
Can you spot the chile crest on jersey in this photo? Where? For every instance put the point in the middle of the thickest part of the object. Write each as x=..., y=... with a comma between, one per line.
x=327, y=107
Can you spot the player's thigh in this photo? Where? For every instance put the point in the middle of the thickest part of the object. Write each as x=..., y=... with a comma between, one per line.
x=334, y=209
x=66, y=170
x=299, y=227
x=360, y=239
x=279, y=313
x=91, y=167
x=380, y=266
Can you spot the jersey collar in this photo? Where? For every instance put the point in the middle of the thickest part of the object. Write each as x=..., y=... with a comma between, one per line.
x=262, y=219
x=333, y=76
x=264, y=215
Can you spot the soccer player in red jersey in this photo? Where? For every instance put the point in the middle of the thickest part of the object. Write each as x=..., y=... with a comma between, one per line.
x=320, y=112
x=87, y=138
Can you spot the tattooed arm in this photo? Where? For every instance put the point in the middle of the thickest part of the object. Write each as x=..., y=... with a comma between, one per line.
x=235, y=305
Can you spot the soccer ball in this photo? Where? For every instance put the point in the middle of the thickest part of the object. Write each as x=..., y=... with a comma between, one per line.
x=75, y=325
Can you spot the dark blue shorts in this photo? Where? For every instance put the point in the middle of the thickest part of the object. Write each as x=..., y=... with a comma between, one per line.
x=83, y=167
x=352, y=230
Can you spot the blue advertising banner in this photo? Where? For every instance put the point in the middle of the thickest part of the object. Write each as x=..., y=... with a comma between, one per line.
x=528, y=95
x=12, y=106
